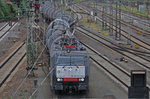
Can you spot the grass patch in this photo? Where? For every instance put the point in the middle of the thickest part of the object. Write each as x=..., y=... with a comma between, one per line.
x=90, y=24
x=133, y=10
x=77, y=1
x=68, y=9
x=106, y=34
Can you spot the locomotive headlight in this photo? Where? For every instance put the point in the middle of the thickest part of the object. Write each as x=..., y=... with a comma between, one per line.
x=59, y=79
x=81, y=79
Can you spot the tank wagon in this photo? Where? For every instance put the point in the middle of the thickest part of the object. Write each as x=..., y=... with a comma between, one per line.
x=50, y=13
x=68, y=57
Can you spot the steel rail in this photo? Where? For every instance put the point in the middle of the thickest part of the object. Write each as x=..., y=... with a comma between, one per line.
x=11, y=71
x=126, y=33
x=120, y=69
x=113, y=48
x=11, y=55
x=7, y=31
x=4, y=26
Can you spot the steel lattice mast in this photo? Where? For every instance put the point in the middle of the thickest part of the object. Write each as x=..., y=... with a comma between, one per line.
x=30, y=45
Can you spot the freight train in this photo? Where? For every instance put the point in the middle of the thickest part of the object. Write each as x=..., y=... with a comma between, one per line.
x=68, y=57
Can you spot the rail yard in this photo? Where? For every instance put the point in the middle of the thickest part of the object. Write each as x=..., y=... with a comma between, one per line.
x=73, y=49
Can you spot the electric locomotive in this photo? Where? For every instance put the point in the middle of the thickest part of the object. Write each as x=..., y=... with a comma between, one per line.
x=69, y=59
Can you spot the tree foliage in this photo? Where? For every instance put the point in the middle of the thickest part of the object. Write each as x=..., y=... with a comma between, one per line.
x=8, y=10
x=1, y=14
x=5, y=8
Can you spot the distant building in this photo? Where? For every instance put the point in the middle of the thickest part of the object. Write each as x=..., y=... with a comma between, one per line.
x=142, y=8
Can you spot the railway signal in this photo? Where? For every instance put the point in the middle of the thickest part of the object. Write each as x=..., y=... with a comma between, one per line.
x=36, y=10
x=36, y=6
x=138, y=89
x=18, y=3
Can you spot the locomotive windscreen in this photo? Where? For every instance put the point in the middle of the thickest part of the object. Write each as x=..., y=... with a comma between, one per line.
x=70, y=61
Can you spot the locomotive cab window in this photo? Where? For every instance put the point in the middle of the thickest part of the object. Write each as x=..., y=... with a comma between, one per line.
x=63, y=61
x=77, y=61
x=67, y=61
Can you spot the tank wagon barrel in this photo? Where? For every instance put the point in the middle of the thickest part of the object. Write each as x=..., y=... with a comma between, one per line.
x=68, y=56
x=51, y=13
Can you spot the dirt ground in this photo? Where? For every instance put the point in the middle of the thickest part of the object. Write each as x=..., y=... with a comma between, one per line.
x=10, y=43
x=28, y=86
x=26, y=89
x=18, y=76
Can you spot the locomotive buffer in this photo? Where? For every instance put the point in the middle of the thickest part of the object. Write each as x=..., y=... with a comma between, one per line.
x=138, y=89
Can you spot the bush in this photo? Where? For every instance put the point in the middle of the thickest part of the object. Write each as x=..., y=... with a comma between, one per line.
x=1, y=14
x=10, y=10
x=23, y=6
x=15, y=7
x=6, y=10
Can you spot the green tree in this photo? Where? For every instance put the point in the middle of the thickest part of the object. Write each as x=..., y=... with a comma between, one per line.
x=6, y=10
x=1, y=14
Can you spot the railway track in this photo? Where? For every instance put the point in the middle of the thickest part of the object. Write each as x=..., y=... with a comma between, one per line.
x=122, y=51
x=3, y=26
x=130, y=50
x=107, y=65
x=112, y=68
x=5, y=29
x=8, y=66
x=79, y=17
x=138, y=17
x=134, y=39
x=130, y=16
x=137, y=28
x=11, y=55
x=144, y=22
x=127, y=53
